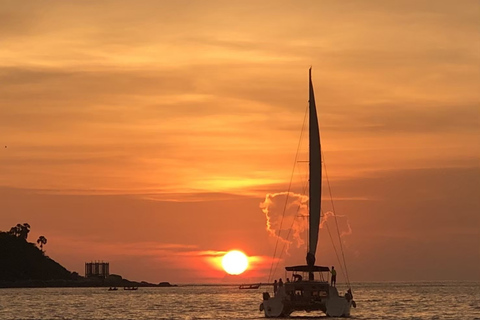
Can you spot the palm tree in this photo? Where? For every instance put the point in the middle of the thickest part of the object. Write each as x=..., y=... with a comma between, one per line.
x=42, y=240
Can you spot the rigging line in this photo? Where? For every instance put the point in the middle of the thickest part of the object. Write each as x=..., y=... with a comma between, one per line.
x=290, y=229
x=335, y=249
x=336, y=222
x=329, y=234
x=288, y=193
x=288, y=235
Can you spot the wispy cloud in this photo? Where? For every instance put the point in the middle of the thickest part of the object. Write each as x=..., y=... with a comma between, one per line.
x=286, y=214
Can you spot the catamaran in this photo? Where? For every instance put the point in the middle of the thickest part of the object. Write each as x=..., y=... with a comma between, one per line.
x=310, y=289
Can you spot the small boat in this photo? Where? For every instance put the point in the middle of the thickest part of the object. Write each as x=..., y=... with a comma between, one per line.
x=130, y=288
x=250, y=286
x=112, y=289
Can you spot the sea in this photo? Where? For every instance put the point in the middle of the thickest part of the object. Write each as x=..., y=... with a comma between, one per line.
x=409, y=301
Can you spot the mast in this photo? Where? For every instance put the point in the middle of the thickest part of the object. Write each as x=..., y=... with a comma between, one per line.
x=315, y=172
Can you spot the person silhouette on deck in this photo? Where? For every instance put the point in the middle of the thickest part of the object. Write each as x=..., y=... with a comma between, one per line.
x=297, y=277
x=275, y=287
x=333, y=281
x=280, y=283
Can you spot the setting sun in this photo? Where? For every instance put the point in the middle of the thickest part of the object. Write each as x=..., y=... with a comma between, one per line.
x=235, y=262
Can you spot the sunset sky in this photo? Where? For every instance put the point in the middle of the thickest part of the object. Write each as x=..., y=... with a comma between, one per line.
x=151, y=133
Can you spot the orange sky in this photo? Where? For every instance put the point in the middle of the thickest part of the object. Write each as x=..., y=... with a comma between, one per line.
x=148, y=133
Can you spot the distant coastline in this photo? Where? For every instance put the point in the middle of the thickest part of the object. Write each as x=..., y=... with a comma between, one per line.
x=24, y=265
x=82, y=283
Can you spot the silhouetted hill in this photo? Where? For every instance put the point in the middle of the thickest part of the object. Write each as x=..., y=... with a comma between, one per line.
x=21, y=260
x=23, y=265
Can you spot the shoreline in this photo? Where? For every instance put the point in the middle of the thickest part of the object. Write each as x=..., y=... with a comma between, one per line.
x=79, y=284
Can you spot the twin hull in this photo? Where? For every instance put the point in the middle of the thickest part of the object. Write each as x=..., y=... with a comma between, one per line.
x=287, y=300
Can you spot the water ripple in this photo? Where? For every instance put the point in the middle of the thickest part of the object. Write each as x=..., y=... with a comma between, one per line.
x=381, y=301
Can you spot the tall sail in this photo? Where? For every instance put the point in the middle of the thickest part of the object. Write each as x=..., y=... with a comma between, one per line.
x=315, y=170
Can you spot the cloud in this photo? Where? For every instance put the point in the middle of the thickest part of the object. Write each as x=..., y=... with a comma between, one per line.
x=114, y=248
x=286, y=217
x=410, y=117
x=340, y=221
x=202, y=265
x=118, y=86
x=201, y=102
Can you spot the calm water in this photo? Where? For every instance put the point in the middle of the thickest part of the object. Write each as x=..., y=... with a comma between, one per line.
x=374, y=301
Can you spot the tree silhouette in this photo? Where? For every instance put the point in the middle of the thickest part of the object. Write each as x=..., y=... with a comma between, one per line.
x=42, y=241
x=24, y=230
x=20, y=230
x=14, y=231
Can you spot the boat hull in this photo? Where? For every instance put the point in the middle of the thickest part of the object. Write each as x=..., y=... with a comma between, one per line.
x=282, y=306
